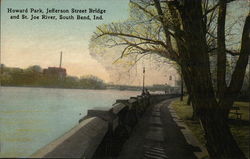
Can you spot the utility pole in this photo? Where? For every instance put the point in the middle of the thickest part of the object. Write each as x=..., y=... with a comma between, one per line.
x=143, y=82
x=181, y=98
x=60, y=65
x=1, y=68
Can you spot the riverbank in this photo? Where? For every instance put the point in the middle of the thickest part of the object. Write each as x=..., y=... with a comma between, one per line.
x=239, y=128
x=115, y=124
x=53, y=87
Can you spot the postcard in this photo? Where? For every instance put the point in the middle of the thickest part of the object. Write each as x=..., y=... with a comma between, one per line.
x=124, y=79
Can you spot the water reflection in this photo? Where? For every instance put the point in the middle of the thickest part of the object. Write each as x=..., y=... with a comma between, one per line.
x=33, y=117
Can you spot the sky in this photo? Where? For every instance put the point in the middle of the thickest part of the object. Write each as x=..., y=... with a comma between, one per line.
x=39, y=42
x=29, y=42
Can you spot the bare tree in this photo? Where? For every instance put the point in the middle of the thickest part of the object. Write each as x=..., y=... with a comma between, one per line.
x=185, y=32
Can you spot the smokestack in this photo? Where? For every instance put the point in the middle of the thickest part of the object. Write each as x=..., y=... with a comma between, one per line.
x=60, y=60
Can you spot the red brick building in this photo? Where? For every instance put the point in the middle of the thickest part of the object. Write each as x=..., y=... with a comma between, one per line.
x=55, y=72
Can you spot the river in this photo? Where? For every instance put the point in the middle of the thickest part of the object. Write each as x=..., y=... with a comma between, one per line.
x=33, y=117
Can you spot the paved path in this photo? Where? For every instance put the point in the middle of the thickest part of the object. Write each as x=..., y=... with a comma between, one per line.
x=157, y=136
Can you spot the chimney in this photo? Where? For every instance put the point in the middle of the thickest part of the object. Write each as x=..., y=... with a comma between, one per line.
x=60, y=60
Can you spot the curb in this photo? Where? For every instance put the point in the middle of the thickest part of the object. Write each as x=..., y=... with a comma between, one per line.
x=187, y=133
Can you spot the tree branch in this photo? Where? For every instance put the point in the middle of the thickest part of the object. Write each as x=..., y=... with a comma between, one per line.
x=131, y=36
x=240, y=68
x=221, y=55
x=143, y=9
x=210, y=10
x=165, y=28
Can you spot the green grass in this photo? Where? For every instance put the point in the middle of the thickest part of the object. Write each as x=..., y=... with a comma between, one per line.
x=240, y=129
x=244, y=109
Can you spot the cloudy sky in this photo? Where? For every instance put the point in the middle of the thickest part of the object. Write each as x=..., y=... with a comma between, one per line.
x=39, y=42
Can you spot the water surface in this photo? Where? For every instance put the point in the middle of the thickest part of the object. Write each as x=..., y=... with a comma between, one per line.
x=32, y=117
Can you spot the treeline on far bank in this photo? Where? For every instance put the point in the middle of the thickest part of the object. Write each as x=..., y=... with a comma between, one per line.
x=33, y=76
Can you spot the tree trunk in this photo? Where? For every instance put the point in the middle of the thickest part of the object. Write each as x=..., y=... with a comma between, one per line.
x=189, y=102
x=182, y=89
x=189, y=99
x=195, y=65
x=188, y=82
x=220, y=142
x=221, y=51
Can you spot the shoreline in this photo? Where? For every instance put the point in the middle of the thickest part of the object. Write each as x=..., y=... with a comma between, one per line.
x=69, y=88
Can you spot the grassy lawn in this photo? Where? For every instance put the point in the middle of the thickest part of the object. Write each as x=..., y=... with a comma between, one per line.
x=239, y=128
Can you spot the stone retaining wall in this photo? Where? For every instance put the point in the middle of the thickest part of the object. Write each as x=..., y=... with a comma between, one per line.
x=102, y=132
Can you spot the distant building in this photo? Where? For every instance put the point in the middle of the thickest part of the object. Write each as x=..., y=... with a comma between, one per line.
x=57, y=72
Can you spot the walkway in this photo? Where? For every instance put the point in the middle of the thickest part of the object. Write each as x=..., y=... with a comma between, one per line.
x=157, y=136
